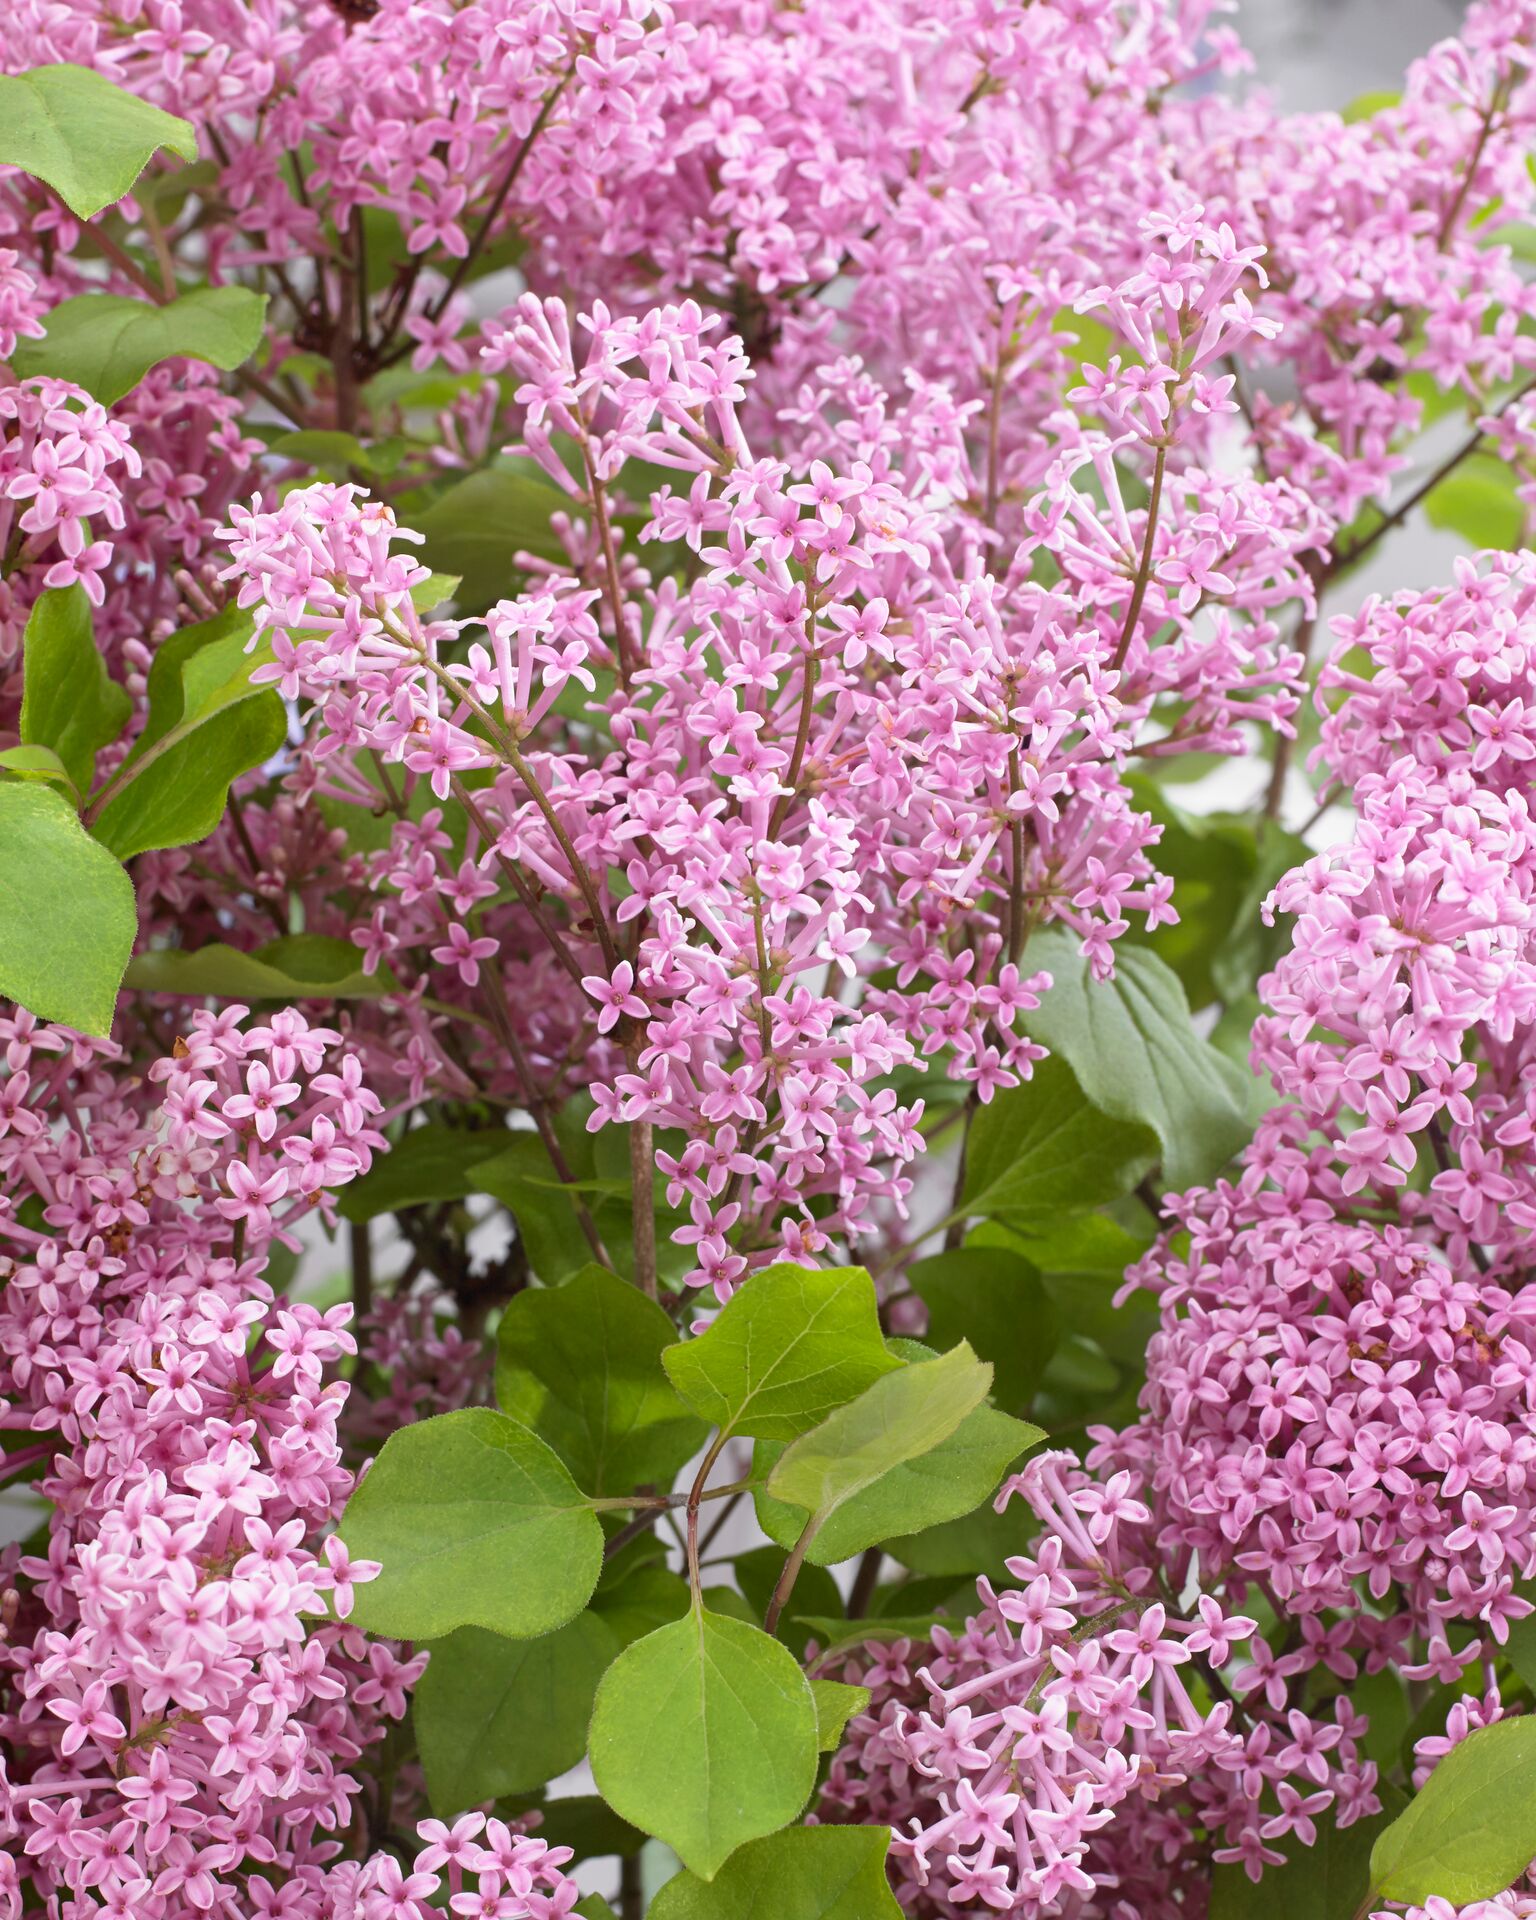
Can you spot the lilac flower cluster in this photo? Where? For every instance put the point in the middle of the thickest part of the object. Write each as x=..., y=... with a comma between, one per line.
x=1338, y=1429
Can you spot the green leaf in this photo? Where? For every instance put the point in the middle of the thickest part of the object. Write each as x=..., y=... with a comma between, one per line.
x=594, y=1907
x=495, y=1716
x=68, y=701
x=1040, y=1150
x=67, y=913
x=329, y=447
x=180, y=798
x=704, y=1734
x=477, y=1524
x=87, y=138
x=1364, y=105
x=1137, y=1057
x=788, y=1346
x=35, y=763
x=935, y=1488
x=1470, y=1831
x=206, y=726
x=523, y=1179
x=1520, y=1648
x=833, y=1635
x=647, y=1598
x=904, y=1415
x=474, y=528
x=803, y=1873
x=836, y=1704
x=1479, y=502
x=581, y=1365
x=301, y=966
x=1211, y=859
x=433, y=1162
x=106, y=343
x=973, y=1543
x=1327, y=1881
x=583, y=1823
x=997, y=1298
x=226, y=635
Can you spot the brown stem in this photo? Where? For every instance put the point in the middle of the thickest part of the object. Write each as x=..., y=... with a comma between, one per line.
x=362, y=1268
x=631, y=1888
x=1446, y=467
x=695, y=1501
x=599, y=499
x=538, y=1107
x=1479, y=147
x=482, y=234
x=790, y=1573
x=1144, y=569
x=864, y=1583
x=643, y=1196
x=802, y=731
x=520, y=885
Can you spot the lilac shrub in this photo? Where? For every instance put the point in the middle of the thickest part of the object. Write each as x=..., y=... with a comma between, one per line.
x=635, y=1130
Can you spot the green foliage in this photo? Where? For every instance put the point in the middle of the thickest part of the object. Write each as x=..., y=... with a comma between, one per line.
x=35, y=763
x=496, y=1717
x=1222, y=866
x=1479, y=502
x=704, y=1734
x=106, y=343
x=930, y=1490
x=581, y=1364
x=995, y=1298
x=906, y=1413
x=1039, y=1150
x=88, y=139
x=206, y=725
x=475, y=527
x=787, y=1347
x=429, y=1163
x=1365, y=105
x=68, y=703
x=522, y=1178
x=67, y=913
x=1327, y=1881
x=475, y=1522
x=804, y=1873
x=342, y=453
x=300, y=966
x=1136, y=1055
x=836, y=1704
x=1471, y=1831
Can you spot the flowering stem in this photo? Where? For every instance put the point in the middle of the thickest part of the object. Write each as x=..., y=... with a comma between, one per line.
x=803, y=731
x=641, y=1161
x=599, y=499
x=1446, y=467
x=519, y=884
x=1144, y=570
x=538, y=1107
x=513, y=756
x=488, y=219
